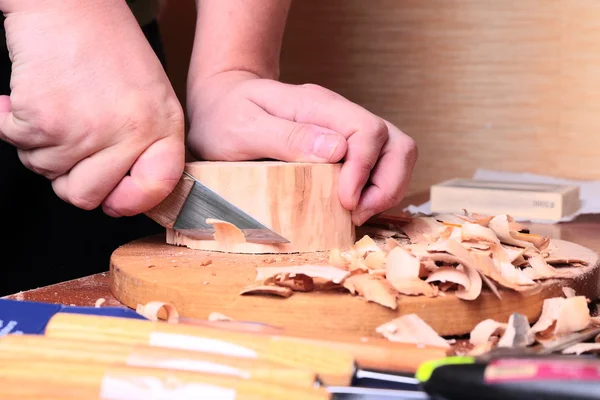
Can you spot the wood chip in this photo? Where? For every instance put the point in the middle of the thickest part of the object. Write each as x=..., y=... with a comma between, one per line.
x=152, y=309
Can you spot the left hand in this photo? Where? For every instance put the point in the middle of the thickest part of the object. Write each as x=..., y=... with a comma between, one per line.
x=238, y=116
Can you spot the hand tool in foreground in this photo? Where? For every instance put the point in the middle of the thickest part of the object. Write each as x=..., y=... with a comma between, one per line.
x=334, y=366
x=58, y=355
x=517, y=373
x=26, y=378
x=190, y=204
x=401, y=359
x=373, y=355
x=38, y=348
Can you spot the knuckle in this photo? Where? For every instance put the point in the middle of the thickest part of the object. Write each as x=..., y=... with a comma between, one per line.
x=36, y=167
x=294, y=137
x=317, y=89
x=175, y=115
x=411, y=149
x=392, y=198
x=378, y=129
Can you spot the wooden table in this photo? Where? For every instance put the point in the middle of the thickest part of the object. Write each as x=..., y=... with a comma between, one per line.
x=585, y=230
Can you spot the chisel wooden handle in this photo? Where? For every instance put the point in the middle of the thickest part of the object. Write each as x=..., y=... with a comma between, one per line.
x=85, y=380
x=333, y=366
x=369, y=352
x=35, y=347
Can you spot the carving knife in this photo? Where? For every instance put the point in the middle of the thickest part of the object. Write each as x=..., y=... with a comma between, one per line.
x=191, y=203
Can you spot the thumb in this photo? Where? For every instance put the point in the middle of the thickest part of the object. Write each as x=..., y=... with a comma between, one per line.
x=153, y=176
x=296, y=142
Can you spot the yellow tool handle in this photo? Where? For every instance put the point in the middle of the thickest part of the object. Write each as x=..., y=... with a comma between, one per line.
x=369, y=352
x=38, y=347
x=28, y=378
x=333, y=366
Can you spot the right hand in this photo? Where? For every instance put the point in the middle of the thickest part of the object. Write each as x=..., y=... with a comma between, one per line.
x=91, y=107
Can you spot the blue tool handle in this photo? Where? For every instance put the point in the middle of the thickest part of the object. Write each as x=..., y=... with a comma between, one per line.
x=518, y=378
x=31, y=317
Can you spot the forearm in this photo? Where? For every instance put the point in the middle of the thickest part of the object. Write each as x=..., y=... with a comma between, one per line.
x=238, y=35
x=9, y=6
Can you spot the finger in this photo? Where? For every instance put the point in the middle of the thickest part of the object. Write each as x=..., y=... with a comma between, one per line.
x=153, y=176
x=390, y=178
x=90, y=181
x=362, y=155
x=51, y=162
x=309, y=104
x=294, y=142
x=15, y=131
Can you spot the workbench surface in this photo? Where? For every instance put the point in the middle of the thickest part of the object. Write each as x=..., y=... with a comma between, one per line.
x=77, y=292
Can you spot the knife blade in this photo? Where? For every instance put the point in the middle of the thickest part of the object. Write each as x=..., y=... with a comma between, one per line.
x=191, y=203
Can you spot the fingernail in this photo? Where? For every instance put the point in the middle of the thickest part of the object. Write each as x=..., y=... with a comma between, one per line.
x=325, y=145
x=362, y=216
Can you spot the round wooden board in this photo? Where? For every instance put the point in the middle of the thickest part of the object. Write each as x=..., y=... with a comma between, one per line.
x=200, y=282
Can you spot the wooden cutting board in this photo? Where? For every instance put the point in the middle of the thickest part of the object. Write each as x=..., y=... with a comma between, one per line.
x=198, y=282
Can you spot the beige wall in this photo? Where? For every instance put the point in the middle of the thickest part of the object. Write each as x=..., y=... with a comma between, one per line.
x=494, y=84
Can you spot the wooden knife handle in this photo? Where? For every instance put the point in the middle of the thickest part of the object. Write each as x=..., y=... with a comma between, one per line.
x=333, y=366
x=369, y=352
x=167, y=211
x=21, y=378
x=38, y=347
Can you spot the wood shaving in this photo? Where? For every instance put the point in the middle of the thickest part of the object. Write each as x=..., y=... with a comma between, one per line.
x=581, y=348
x=560, y=316
x=268, y=289
x=411, y=328
x=226, y=232
x=461, y=255
x=152, y=309
x=216, y=316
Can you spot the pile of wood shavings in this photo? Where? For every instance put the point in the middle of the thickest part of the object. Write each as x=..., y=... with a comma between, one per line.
x=560, y=316
x=447, y=254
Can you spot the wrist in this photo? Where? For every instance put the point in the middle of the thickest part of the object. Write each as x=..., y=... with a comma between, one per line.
x=261, y=68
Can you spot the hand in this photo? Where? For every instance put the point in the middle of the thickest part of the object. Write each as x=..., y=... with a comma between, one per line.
x=90, y=102
x=237, y=116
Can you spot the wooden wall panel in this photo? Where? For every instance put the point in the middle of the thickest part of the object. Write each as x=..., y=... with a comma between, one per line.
x=511, y=84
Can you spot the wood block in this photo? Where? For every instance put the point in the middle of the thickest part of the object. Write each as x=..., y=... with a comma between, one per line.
x=299, y=201
x=520, y=200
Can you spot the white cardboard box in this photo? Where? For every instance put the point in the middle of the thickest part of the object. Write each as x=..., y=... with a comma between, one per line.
x=518, y=199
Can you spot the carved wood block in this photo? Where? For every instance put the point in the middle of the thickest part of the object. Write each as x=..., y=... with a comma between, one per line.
x=297, y=200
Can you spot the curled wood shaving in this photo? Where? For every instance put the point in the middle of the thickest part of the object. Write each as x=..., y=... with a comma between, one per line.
x=226, y=232
x=411, y=328
x=372, y=288
x=268, y=289
x=151, y=310
x=560, y=316
x=486, y=330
